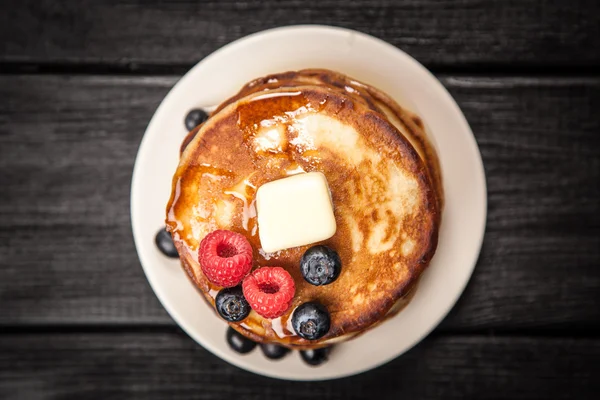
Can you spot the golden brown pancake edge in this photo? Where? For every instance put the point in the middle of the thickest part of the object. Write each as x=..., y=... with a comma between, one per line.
x=391, y=138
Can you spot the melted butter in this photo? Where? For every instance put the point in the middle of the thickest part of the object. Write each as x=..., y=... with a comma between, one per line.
x=277, y=94
x=246, y=191
x=213, y=292
x=213, y=172
x=200, y=212
x=282, y=326
x=269, y=139
x=280, y=134
x=245, y=326
x=350, y=89
x=295, y=169
x=175, y=224
x=253, y=114
x=268, y=256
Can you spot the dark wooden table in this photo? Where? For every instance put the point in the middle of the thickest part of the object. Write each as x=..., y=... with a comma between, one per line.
x=79, y=82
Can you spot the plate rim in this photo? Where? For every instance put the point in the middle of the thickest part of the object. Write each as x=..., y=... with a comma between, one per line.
x=241, y=362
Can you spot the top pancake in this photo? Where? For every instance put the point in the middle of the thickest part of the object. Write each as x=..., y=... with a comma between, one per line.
x=385, y=192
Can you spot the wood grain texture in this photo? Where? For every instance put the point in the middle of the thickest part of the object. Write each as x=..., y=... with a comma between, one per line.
x=540, y=144
x=436, y=32
x=67, y=146
x=170, y=365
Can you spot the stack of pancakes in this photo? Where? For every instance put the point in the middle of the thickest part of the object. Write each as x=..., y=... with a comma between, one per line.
x=382, y=172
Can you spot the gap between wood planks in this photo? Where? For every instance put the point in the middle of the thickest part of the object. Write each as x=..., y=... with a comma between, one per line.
x=137, y=69
x=161, y=328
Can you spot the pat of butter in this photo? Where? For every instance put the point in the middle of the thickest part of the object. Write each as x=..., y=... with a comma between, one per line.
x=294, y=211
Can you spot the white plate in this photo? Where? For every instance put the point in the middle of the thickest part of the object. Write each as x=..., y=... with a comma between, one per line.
x=365, y=58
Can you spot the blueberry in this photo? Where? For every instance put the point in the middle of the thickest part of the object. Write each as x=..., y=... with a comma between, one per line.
x=194, y=118
x=274, y=351
x=232, y=305
x=164, y=242
x=239, y=342
x=315, y=356
x=320, y=265
x=311, y=321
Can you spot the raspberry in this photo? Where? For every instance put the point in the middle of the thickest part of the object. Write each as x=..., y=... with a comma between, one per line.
x=269, y=291
x=225, y=257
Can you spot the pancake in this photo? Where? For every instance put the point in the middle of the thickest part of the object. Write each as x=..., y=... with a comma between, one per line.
x=381, y=170
x=408, y=123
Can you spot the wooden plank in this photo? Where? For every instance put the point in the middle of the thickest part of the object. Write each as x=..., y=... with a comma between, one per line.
x=438, y=33
x=170, y=365
x=67, y=146
x=540, y=146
